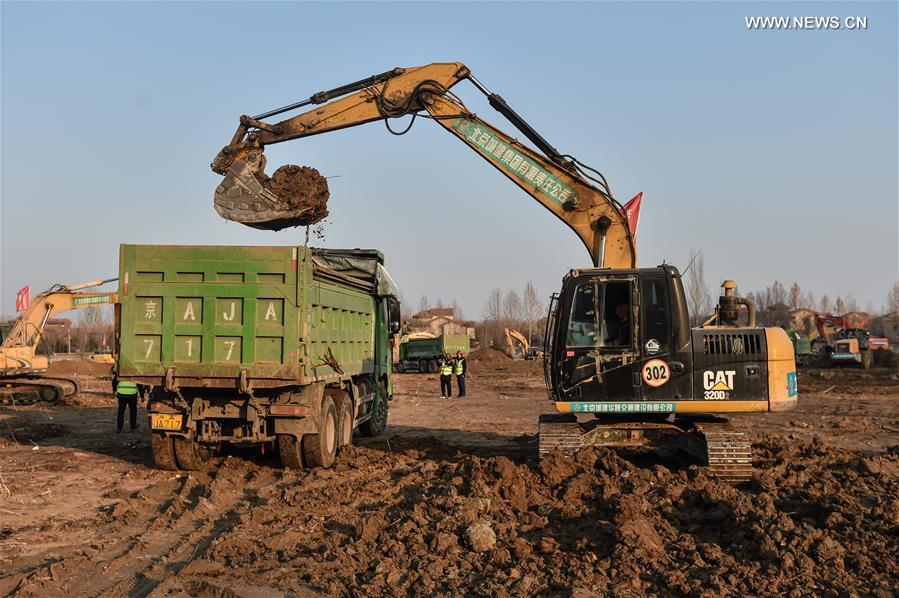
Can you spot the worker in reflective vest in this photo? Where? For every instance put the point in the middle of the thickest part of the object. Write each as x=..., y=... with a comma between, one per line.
x=460, y=369
x=127, y=393
x=446, y=377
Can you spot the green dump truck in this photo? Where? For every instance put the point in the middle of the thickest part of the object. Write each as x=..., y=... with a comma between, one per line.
x=422, y=354
x=290, y=345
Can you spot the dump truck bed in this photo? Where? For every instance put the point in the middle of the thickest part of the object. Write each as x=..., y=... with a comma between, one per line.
x=210, y=316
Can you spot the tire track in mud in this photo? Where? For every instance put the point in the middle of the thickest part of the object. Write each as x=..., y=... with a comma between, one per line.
x=204, y=505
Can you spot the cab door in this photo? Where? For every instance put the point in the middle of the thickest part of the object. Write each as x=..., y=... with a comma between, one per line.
x=664, y=367
x=599, y=358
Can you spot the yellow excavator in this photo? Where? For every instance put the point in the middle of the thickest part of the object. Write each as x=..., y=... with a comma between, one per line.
x=22, y=378
x=518, y=344
x=622, y=365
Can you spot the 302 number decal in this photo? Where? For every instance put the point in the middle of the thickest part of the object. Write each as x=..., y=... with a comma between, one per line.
x=656, y=373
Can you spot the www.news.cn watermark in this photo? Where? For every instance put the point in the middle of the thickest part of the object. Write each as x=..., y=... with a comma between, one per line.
x=807, y=23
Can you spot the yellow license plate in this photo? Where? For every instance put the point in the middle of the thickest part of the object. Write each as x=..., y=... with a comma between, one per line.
x=164, y=421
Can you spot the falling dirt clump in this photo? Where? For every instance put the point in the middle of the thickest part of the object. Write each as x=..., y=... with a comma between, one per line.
x=301, y=188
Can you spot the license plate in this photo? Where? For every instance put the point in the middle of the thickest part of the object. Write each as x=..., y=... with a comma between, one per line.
x=164, y=421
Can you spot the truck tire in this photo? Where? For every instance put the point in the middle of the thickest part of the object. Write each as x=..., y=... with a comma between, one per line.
x=319, y=450
x=163, y=451
x=867, y=359
x=433, y=366
x=399, y=368
x=191, y=455
x=377, y=423
x=345, y=421
x=289, y=449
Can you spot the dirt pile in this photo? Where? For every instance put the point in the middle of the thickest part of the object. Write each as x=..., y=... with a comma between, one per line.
x=301, y=188
x=818, y=521
x=488, y=355
x=79, y=367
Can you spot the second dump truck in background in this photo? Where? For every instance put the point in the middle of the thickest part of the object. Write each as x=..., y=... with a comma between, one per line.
x=423, y=354
x=257, y=344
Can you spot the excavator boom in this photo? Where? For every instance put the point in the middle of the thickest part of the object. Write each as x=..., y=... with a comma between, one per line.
x=575, y=193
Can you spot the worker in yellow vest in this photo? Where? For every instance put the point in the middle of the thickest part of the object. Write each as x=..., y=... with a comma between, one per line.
x=127, y=393
x=446, y=377
x=460, y=369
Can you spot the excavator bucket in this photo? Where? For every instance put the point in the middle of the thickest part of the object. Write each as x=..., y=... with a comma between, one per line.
x=293, y=196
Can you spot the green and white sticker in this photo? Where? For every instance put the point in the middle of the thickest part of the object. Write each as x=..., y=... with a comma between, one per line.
x=90, y=300
x=630, y=407
x=515, y=163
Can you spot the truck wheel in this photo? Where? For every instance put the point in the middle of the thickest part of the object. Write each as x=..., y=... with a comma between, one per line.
x=289, y=449
x=399, y=368
x=433, y=366
x=867, y=359
x=191, y=455
x=377, y=423
x=320, y=449
x=163, y=451
x=345, y=421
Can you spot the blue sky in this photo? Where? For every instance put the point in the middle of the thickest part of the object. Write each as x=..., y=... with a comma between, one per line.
x=775, y=152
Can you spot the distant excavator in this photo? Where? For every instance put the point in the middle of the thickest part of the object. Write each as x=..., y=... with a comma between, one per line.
x=518, y=344
x=21, y=369
x=618, y=344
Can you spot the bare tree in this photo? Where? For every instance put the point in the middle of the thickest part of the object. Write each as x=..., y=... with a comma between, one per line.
x=851, y=303
x=424, y=304
x=809, y=300
x=491, y=314
x=840, y=306
x=795, y=295
x=775, y=294
x=698, y=297
x=892, y=305
x=825, y=304
x=513, y=308
x=533, y=310
x=439, y=303
x=457, y=310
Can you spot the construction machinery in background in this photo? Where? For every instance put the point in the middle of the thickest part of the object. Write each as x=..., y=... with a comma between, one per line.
x=421, y=351
x=856, y=346
x=836, y=342
x=619, y=349
x=22, y=370
x=519, y=347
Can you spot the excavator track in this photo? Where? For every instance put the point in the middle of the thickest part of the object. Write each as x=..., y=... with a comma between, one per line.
x=31, y=391
x=728, y=452
x=559, y=432
x=724, y=450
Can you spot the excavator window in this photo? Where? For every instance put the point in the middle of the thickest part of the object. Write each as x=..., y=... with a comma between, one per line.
x=601, y=315
x=583, y=324
x=655, y=326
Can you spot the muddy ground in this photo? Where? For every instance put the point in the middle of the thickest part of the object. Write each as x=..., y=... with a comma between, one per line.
x=453, y=501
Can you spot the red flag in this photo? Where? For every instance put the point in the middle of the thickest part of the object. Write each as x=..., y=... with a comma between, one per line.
x=23, y=298
x=632, y=211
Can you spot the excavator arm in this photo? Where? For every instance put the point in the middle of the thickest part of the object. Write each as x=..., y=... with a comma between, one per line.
x=575, y=193
x=520, y=338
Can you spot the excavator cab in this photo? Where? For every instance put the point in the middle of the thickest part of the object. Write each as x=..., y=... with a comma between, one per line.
x=624, y=368
x=611, y=324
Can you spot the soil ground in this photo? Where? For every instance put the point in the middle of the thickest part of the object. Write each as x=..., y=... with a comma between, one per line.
x=453, y=500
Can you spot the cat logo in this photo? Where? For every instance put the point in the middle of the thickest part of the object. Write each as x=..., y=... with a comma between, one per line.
x=718, y=384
